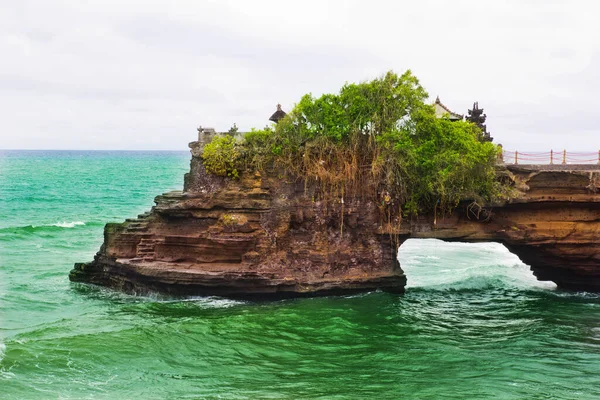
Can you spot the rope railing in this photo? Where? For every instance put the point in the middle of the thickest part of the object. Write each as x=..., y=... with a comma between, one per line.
x=551, y=157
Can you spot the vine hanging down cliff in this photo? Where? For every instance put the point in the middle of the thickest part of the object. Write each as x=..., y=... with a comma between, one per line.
x=257, y=236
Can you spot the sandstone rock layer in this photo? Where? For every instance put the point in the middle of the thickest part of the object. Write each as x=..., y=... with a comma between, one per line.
x=253, y=237
x=266, y=236
x=552, y=223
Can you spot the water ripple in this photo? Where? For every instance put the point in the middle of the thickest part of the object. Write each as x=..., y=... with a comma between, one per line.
x=473, y=324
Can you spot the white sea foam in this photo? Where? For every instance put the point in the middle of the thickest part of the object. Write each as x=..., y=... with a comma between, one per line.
x=214, y=302
x=433, y=263
x=72, y=224
x=2, y=350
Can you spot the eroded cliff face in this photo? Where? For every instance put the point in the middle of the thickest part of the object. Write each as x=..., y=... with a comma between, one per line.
x=552, y=223
x=259, y=236
x=265, y=236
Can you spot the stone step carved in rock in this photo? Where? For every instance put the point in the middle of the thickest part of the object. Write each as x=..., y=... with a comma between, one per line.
x=146, y=248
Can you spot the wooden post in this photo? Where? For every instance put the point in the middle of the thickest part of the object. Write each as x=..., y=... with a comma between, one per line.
x=551, y=157
x=564, y=157
x=516, y=157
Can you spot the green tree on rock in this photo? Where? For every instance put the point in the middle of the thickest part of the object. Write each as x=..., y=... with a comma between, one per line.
x=379, y=140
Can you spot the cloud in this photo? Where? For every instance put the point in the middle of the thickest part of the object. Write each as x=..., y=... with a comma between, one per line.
x=143, y=74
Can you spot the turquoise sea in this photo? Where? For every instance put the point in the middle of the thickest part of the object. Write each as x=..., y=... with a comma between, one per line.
x=473, y=324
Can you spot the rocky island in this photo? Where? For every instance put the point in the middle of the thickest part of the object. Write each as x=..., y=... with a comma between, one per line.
x=258, y=235
x=325, y=214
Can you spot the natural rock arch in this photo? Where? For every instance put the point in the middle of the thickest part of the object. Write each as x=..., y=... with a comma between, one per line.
x=263, y=236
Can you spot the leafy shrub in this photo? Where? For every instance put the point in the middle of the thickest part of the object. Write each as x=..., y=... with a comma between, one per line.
x=259, y=148
x=228, y=220
x=221, y=156
x=376, y=139
x=441, y=162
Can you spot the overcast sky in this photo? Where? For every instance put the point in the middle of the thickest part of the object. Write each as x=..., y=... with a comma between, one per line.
x=128, y=74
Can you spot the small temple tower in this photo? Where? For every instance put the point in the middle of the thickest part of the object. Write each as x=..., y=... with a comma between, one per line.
x=441, y=110
x=477, y=117
x=278, y=115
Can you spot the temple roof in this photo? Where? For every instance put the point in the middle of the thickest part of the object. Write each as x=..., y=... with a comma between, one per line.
x=277, y=115
x=441, y=110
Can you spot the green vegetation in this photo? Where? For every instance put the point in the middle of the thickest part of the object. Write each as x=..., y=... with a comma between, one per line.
x=229, y=220
x=376, y=139
x=233, y=130
x=221, y=156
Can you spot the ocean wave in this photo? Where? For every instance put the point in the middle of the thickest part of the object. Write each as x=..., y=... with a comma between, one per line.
x=2, y=351
x=47, y=231
x=476, y=283
x=212, y=302
x=50, y=227
x=464, y=266
x=154, y=299
x=68, y=224
x=476, y=278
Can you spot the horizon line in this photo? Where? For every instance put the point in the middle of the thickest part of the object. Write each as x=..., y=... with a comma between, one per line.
x=93, y=149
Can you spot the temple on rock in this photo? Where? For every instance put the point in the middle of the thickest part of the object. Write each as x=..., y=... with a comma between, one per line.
x=477, y=117
x=278, y=115
x=441, y=110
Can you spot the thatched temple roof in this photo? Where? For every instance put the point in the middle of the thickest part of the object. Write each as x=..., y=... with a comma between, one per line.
x=277, y=115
